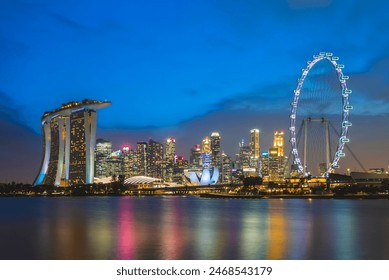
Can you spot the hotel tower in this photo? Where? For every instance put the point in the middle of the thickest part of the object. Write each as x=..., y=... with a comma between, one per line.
x=69, y=138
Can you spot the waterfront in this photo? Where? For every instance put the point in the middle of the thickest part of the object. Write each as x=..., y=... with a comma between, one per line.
x=192, y=228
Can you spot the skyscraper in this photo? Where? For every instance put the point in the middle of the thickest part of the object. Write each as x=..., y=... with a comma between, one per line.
x=195, y=157
x=254, y=144
x=170, y=153
x=69, y=134
x=215, y=149
x=226, y=168
x=206, y=153
x=130, y=162
x=155, y=159
x=170, y=149
x=279, y=142
x=243, y=157
x=141, y=154
x=102, y=152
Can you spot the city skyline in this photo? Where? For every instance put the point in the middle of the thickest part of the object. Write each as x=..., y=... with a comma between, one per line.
x=185, y=70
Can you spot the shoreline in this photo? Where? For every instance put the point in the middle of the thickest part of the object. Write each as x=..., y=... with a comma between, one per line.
x=221, y=196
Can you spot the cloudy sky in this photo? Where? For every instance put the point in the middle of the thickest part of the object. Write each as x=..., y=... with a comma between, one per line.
x=185, y=69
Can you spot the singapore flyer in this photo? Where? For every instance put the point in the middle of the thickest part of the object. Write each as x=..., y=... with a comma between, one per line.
x=320, y=117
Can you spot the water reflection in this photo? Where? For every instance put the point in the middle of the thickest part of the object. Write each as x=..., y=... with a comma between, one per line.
x=192, y=228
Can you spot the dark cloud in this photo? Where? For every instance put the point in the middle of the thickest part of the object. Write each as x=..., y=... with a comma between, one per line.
x=272, y=97
x=20, y=146
x=371, y=89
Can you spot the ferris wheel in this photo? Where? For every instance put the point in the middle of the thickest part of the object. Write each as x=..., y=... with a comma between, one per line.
x=321, y=99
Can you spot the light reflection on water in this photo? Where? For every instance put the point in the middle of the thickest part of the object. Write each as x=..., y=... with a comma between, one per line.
x=192, y=228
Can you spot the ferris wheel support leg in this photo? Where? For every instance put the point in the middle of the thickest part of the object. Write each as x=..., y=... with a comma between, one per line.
x=327, y=127
x=305, y=144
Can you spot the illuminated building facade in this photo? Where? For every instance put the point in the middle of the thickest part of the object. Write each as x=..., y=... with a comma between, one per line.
x=155, y=159
x=279, y=142
x=226, y=168
x=170, y=149
x=102, y=152
x=141, y=153
x=115, y=164
x=215, y=150
x=244, y=156
x=170, y=153
x=69, y=135
x=274, y=164
x=195, y=157
x=130, y=162
x=254, y=146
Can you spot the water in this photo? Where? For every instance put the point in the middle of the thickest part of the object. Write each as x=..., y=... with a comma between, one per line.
x=192, y=228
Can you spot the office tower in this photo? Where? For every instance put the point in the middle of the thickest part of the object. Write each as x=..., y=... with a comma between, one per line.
x=130, y=162
x=195, y=157
x=206, y=153
x=141, y=154
x=155, y=159
x=274, y=164
x=170, y=153
x=69, y=135
x=279, y=142
x=244, y=156
x=115, y=164
x=102, y=152
x=264, y=165
x=215, y=150
x=226, y=168
x=170, y=149
x=254, y=148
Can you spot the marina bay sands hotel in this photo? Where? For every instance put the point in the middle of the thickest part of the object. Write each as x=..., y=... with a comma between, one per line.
x=69, y=135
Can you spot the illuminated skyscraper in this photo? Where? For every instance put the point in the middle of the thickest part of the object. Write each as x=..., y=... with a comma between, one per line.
x=279, y=142
x=243, y=157
x=102, y=152
x=170, y=149
x=274, y=164
x=215, y=149
x=226, y=168
x=206, y=145
x=254, y=144
x=170, y=153
x=195, y=157
x=155, y=159
x=69, y=135
x=141, y=154
x=130, y=163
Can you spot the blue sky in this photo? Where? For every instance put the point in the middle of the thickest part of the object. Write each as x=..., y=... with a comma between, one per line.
x=185, y=68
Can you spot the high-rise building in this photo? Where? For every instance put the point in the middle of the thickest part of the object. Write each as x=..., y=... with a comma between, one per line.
x=195, y=157
x=170, y=149
x=254, y=144
x=115, y=164
x=215, y=150
x=141, y=154
x=155, y=159
x=244, y=156
x=130, y=162
x=226, y=168
x=69, y=135
x=279, y=142
x=274, y=164
x=265, y=165
x=206, y=153
x=169, y=163
x=102, y=152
